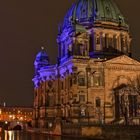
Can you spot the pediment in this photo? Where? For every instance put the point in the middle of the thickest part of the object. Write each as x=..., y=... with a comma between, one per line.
x=123, y=60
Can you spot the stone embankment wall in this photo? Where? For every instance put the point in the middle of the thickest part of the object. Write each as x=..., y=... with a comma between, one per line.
x=107, y=132
x=121, y=132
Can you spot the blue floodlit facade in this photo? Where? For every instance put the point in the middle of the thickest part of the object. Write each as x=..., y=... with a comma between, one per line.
x=93, y=77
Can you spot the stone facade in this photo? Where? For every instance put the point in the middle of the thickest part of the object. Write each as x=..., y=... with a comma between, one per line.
x=95, y=79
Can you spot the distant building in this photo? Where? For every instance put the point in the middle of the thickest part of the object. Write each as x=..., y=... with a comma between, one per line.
x=95, y=79
x=22, y=114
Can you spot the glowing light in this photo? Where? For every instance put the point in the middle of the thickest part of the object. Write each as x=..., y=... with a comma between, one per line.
x=50, y=124
x=11, y=135
x=10, y=116
x=42, y=48
x=21, y=118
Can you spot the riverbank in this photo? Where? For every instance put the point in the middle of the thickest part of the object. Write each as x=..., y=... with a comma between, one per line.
x=101, y=132
x=108, y=132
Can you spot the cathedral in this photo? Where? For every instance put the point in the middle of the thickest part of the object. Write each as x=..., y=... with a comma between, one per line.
x=95, y=80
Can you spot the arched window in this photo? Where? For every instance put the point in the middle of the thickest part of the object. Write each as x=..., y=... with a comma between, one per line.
x=81, y=79
x=110, y=43
x=50, y=100
x=123, y=45
x=91, y=43
x=77, y=49
x=96, y=80
x=82, y=98
x=98, y=45
x=114, y=42
x=98, y=40
x=98, y=102
x=106, y=41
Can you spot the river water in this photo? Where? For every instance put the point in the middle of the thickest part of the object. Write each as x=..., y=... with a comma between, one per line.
x=19, y=135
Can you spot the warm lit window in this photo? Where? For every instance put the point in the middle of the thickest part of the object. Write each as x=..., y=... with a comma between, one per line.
x=97, y=80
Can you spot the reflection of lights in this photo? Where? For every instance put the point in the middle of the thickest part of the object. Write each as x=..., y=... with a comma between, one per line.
x=10, y=135
x=18, y=136
x=17, y=122
x=13, y=117
x=6, y=122
x=10, y=116
x=21, y=118
x=0, y=111
x=6, y=135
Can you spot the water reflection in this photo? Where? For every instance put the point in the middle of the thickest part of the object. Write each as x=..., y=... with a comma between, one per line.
x=18, y=135
x=11, y=135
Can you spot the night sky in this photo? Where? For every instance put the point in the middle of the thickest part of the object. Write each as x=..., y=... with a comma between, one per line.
x=25, y=26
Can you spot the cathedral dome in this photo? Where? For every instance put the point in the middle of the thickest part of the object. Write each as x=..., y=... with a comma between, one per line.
x=90, y=11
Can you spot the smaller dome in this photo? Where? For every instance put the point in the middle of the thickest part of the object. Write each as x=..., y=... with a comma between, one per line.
x=41, y=60
x=42, y=56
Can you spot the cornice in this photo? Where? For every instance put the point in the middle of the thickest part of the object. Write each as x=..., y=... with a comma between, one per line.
x=122, y=67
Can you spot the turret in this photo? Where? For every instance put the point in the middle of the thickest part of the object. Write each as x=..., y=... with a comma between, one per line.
x=41, y=60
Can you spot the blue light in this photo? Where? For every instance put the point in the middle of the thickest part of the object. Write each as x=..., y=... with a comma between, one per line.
x=78, y=14
x=41, y=60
